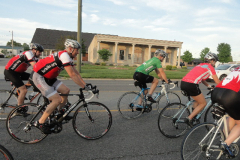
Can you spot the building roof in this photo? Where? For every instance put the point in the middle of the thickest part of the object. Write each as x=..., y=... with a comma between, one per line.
x=48, y=38
x=10, y=47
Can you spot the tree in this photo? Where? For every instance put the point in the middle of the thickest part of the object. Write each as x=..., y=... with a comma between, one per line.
x=83, y=48
x=104, y=54
x=25, y=46
x=16, y=44
x=224, y=52
x=60, y=42
x=4, y=52
x=187, y=56
x=203, y=53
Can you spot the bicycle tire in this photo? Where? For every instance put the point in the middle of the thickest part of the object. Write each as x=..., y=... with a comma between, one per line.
x=19, y=126
x=127, y=105
x=208, y=117
x=195, y=143
x=6, y=108
x=5, y=154
x=166, y=124
x=162, y=101
x=96, y=127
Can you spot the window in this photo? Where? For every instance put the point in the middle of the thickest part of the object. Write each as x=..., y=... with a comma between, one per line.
x=121, y=55
x=129, y=56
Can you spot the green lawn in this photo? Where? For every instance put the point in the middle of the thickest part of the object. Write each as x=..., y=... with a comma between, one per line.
x=120, y=72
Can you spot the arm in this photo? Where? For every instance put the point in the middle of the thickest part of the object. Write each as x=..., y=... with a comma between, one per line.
x=75, y=76
x=161, y=74
x=215, y=78
x=32, y=63
x=205, y=83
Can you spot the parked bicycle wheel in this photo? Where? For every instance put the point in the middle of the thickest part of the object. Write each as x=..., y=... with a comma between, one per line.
x=170, y=120
x=195, y=144
x=164, y=100
x=19, y=126
x=6, y=103
x=92, y=120
x=128, y=104
x=5, y=154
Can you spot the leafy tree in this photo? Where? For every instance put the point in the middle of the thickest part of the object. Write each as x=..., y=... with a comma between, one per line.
x=203, y=53
x=25, y=46
x=16, y=44
x=4, y=52
x=84, y=51
x=104, y=54
x=224, y=52
x=187, y=56
x=60, y=42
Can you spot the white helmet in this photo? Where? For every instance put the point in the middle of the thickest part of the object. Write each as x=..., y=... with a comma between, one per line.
x=160, y=52
x=210, y=56
x=72, y=43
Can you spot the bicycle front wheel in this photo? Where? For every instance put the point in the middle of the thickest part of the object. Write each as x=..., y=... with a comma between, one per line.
x=6, y=103
x=127, y=105
x=171, y=120
x=92, y=120
x=5, y=154
x=164, y=100
x=21, y=128
x=199, y=143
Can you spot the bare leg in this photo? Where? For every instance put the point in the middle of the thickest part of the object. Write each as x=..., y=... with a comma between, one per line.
x=234, y=133
x=64, y=90
x=23, y=92
x=200, y=100
x=154, y=85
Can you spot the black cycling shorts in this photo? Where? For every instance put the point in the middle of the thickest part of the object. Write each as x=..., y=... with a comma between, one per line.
x=229, y=99
x=192, y=89
x=16, y=78
x=143, y=79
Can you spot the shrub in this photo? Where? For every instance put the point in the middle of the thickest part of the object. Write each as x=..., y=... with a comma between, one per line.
x=184, y=67
x=97, y=63
x=103, y=64
x=134, y=65
x=110, y=64
x=126, y=65
x=168, y=67
x=174, y=67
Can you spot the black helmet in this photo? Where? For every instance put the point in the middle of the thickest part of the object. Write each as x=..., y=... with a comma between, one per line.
x=210, y=56
x=36, y=46
x=160, y=52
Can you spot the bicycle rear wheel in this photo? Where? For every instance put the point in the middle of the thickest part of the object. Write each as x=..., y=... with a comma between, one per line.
x=170, y=120
x=6, y=105
x=127, y=105
x=92, y=120
x=208, y=117
x=164, y=100
x=19, y=126
x=5, y=154
x=196, y=142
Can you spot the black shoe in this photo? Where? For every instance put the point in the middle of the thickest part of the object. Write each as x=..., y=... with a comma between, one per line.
x=227, y=150
x=188, y=122
x=45, y=128
x=139, y=108
x=151, y=99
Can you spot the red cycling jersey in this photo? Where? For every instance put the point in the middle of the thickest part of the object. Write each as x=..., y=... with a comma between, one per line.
x=232, y=81
x=21, y=62
x=199, y=73
x=51, y=66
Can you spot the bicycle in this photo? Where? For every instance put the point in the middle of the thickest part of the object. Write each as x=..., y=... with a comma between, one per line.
x=128, y=102
x=90, y=121
x=5, y=154
x=204, y=140
x=171, y=119
x=8, y=100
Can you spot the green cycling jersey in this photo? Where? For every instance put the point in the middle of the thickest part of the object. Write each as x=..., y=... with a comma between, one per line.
x=149, y=66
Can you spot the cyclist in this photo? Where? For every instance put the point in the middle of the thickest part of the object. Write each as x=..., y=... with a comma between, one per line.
x=227, y=94
x=190, y=83
x=16, y=67
x=44, y=77
x=142, y=74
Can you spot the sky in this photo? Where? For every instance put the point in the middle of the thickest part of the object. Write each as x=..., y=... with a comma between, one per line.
x=196, y=23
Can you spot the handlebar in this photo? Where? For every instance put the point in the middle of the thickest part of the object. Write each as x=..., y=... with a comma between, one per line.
x=170, y=83
x=210, y=89
x=93, y=90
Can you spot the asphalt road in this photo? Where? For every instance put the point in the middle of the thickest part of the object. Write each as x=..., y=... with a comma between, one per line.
x=137, y=139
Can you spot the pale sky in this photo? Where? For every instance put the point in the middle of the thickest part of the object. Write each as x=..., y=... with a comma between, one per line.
x=196, y=23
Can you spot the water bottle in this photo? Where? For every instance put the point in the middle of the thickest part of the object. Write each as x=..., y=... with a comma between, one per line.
x=32, y=95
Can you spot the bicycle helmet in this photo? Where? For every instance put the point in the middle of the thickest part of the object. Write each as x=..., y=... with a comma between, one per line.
x=210, y=56
x=160, y=52
x=72, y=43
x=36, y=46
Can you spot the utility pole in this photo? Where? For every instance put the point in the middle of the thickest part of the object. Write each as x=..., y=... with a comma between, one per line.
x=79, y=35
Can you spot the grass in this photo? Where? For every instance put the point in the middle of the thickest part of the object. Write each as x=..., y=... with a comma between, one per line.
x=120, y=72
